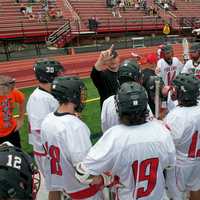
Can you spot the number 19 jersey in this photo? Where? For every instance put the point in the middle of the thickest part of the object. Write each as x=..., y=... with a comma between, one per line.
x=137, y=155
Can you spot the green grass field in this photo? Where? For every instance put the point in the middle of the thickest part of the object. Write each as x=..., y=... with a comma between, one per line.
x=90, y=115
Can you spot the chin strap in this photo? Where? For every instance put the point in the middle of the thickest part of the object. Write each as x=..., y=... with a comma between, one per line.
x=169, y=62
x=196, y=63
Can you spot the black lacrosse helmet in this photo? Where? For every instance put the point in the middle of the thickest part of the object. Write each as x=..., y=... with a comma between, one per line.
x=129, y=70
x=46, y=70
x=187, y=87
x=17, y=171
x=131, y=99
x=69, y=89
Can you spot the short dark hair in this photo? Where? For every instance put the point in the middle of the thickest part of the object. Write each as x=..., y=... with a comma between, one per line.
x=133, y=119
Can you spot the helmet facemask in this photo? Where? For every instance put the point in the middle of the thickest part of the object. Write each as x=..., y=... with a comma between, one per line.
x=83, y=97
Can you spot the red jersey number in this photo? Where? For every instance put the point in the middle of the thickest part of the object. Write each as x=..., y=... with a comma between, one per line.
x=150, y=165
x=193, y=151
x=170, y=76
x=54, y=153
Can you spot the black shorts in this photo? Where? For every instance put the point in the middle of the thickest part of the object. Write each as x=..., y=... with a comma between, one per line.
x=13, y=138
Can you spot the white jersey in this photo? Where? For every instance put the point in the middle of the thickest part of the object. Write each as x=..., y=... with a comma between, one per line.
x=109, y=115
x=170, y=103
x=169, y=72
x=137, y=155
x=184, y=125
x=185, y=130
x=39, y=105
x=189, y=68
x=67, y=141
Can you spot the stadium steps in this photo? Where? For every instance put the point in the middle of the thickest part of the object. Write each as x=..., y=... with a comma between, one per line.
x=13, y=22
x=89, y=8
x=68, y=13
x=187, y=9
x=78, y=64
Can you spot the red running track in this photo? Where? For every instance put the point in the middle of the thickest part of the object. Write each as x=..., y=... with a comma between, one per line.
x=78, y=64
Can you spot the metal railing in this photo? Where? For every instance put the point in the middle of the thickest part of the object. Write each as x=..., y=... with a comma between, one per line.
x=61, y=32
x=27, y=29
x=128, y=24
x=185, y=22
x=75, y=16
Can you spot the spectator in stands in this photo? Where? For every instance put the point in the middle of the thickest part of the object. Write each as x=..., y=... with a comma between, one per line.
x=144, y=4
x=9, y=96
x=23, y=9
x=154, y=11
x=93, y=23
x=52, y=13
x=29, y=11
x=115, y=9
x=173, y=5
x=59, y=14
x=45, y=7
x=131, y=2
x=166, y=6
x=137, y=6
x=122, y=5
x=39, y=16
x=104, y=74
x=157, y=11
x=150, y=10
x=29, y=8
x=161, y=2
x=31, y=16
x=127, y=3
x=109, y=3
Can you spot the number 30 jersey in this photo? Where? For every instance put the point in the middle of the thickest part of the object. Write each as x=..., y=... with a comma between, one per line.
x=169, y=72
x=67, y=141
x=137, y=155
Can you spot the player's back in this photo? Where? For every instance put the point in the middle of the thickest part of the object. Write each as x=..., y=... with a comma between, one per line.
x=109, y=116
x=142, y=152
x=185, y=130
x=40, y=103
x=66, y=139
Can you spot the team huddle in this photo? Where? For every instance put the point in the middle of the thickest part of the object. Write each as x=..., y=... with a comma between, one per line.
x=138, y=156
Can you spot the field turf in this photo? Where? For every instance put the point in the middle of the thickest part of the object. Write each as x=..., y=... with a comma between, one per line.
x=90, y=115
